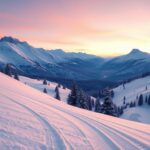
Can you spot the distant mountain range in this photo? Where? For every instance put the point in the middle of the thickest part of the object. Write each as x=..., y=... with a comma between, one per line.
x=43, y=63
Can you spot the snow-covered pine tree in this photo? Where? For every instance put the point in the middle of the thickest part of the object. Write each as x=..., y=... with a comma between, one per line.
x=98, y=106
x=80, y=101
x=72, y=98
x=108, y=107
x=140, y=102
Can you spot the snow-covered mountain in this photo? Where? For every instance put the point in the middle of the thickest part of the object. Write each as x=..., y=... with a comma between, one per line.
x=31, y=119
x=132, y=91
x=40, y=62
x=127, y=66
x=57, y=64
x=135, y=54
x=26, y=53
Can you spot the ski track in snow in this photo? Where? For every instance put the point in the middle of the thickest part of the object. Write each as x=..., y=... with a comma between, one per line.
x=67, y=127
x=53, y=139
x=111, y=135
x=41, y=119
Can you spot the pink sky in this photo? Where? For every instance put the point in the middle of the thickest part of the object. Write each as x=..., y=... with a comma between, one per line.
x=101, y=27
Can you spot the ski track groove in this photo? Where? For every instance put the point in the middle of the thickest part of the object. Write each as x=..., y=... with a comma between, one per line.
x=124, y=126
x=137, y=144
x=130, y=133
x=122, y=136
x=47, y=127
x=56, y=111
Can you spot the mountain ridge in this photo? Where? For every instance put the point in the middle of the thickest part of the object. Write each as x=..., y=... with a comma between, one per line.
x=38, y=62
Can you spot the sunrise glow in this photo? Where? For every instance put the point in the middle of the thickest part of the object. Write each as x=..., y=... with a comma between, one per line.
x=106, y=28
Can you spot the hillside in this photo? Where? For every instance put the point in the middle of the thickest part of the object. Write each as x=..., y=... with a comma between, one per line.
x=50, y=87
x=132, y=91
x=33, y=120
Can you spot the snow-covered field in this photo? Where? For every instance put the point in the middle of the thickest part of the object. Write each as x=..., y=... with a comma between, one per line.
x=131, y=91
x=50, y=87
x=31, y=119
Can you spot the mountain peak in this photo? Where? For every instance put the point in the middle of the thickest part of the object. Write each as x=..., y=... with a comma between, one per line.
x=134, y=51
x=10, y=39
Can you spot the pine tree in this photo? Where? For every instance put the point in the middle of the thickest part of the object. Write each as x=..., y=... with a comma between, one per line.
x=56, y=88
x=148, y=100
x=16, y=76
x=44, y=82
x=108, y=107
x=112, y=94
x=92, y=102
x=89, y=102
x=120, y=110
x=73, y=96
x=123, y=86
x=124, y=100
x=80, y=101
x=59, y=85
x=134, y=104
x=131, y=104
x=98, y=106
x=140, y=102
x=146, y=88
x=57, y=96
x=8, y=70
x=45, y=91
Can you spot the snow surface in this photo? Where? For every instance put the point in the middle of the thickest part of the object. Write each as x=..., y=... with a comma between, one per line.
x=31, y=119
x=50, y=87
x=133, y=90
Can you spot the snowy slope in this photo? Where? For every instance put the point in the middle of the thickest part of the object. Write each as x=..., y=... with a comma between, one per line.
x=23, y=54
x=33, y=120
x=135, y=54
x=133, y=90
x=63, y=56
x=139, y=114
x=50, y=87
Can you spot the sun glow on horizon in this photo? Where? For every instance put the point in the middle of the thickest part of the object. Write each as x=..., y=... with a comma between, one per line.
x=101, y=27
